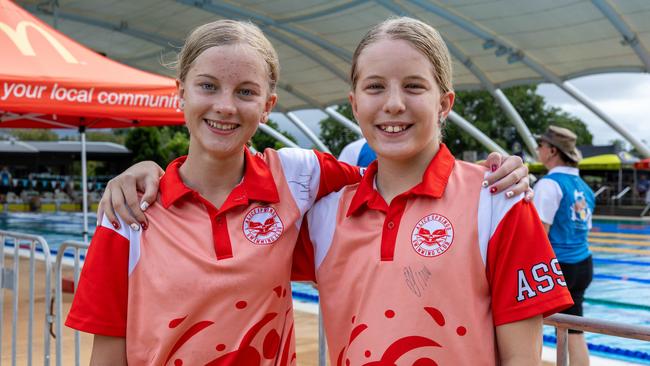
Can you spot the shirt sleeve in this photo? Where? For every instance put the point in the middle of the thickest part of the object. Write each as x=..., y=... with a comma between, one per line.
x=100, y=301
x=335, y=174
x=524, y=275
x=548, y=196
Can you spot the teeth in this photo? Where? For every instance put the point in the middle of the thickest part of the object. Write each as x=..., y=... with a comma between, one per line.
x=221, y=126
x=393, y=129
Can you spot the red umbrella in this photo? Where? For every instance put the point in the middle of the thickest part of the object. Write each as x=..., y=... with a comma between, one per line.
x=642, y=164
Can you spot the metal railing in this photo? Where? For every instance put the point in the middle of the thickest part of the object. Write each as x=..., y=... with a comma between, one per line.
x=564, y=322
x=58, y=269
x=622, y=193
x=24, y=246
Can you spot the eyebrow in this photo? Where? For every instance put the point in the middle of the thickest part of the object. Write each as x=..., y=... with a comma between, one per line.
x=416, y=77
x=217, y=79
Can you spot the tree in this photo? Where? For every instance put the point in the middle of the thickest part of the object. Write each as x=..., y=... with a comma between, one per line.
x=145, y=143
x=33, y=134
x=262, y=141
x=480, y=109
x=334, y=134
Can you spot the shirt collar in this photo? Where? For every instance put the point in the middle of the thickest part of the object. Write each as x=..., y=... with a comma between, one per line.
x=565, y=170
x=433, y=184
x=257, y=184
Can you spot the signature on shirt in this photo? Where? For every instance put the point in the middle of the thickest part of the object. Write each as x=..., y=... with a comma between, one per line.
x=417, y=280
x=303, y=181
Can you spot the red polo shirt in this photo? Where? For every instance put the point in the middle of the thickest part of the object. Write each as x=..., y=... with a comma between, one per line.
x=207, y=285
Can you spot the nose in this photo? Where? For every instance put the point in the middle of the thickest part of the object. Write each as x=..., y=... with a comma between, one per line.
x=224, y=104
x=394, y=100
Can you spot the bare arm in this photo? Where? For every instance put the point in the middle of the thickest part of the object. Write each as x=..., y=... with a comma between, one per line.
x=520, y=343
x=509, y=174
x=547, y=227
x=108, y=351
x=121, y=194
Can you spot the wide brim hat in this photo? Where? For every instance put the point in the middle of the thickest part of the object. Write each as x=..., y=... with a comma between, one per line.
x=563, y=139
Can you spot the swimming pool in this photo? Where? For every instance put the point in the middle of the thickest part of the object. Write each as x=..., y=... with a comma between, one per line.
x=620, y=290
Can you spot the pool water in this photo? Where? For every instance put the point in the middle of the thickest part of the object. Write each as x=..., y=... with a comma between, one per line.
x=620, y=290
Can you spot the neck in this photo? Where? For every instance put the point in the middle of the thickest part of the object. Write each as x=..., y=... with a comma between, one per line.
x=395, y=177
x=553, y=163
x=214, y=178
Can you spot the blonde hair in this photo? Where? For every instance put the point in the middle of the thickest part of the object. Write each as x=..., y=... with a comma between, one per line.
x=422, y=36
x=227, y=32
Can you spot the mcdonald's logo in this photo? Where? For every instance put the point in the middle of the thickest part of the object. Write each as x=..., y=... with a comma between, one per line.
x=20, y=39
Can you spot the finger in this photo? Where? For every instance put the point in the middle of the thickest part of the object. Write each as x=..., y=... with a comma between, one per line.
x=494, y=161
x=102, y=203
x=507, y=183
x=106, y=205
x=135, y=218
x=530, y=195
x=509, y=166
x=150, y=193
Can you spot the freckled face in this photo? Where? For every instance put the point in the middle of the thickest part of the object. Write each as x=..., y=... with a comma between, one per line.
x=227, y=95
x=397, y=101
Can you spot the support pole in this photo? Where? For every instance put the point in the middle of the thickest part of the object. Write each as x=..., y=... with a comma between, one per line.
x=516, y=119
x=277, y=135
x=310, y=135
x=332, y=112
x=84, y=182
x=476, y=133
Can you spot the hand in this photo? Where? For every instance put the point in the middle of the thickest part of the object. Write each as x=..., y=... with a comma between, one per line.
x=508, y=173
x=121, y=195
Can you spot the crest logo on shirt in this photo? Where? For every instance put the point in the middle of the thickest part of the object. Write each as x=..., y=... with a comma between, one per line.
x=432, y=235
x=262, y=225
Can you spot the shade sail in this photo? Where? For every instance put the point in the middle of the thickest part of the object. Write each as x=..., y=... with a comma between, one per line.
x=505, y=42
x=48, y=80
x=598, y=162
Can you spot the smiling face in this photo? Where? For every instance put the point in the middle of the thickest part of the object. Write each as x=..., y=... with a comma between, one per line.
x=226, y=94
x=397, y=101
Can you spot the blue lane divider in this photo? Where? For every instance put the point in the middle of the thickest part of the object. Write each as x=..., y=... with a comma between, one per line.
x=621, y=261
x=625, y=354
x=622, y=278
x=67, y=254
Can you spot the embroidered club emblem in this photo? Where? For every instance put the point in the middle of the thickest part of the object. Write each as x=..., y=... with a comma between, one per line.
x=262, y=225
x=432, y=235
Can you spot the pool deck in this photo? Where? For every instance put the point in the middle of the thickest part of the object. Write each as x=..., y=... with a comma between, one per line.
x=306, y=320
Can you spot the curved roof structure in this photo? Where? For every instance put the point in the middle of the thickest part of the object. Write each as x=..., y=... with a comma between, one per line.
x=500, y=42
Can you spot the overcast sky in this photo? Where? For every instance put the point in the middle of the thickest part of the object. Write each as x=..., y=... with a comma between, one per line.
x=624, y=97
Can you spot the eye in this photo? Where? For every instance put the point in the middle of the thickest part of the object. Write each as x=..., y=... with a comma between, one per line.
x=414, y=86
x=246, y=92
x=208, y=86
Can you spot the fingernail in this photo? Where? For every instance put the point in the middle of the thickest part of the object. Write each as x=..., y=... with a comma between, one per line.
x=115, y=224
x=494, y=168
x=485, y=184
x=144, y=205
x=135, y=227
x=509, y=194
x=144, y=225
x=493, y=189
x=529, y=197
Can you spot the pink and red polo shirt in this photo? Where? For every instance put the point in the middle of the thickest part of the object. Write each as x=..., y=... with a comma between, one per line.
x=206, y=285
x=424, y=280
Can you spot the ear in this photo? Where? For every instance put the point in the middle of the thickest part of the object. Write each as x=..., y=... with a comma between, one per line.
x=180, y=87
x=353, y=104
x=270, y=103
x=447, y=103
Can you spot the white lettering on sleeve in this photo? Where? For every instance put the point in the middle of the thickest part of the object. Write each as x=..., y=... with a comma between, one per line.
x=524, y=287
x=544, y=277
x=555, y=267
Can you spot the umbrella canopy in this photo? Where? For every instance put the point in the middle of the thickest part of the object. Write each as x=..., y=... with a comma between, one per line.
x=642, y=164
x=48, y=80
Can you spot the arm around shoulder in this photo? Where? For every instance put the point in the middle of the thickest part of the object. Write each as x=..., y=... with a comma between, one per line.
x=108, y=351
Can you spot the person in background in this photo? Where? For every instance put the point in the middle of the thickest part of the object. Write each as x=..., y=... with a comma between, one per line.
x=565, y=204
x=5, y=183
x=358, y=153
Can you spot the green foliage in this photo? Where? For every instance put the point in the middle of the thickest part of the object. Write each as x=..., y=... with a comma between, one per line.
x=480, y=109
x=105, y=136
x=33, y=134
x=145, y=143
x=262, y=141
x=334, y=134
